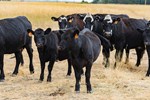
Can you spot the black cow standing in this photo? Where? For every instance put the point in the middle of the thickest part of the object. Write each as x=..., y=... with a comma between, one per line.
x=73, y=20
x=85, y=48
x=13, y=37
x=47, y=45
x=93, y=22
x=123, y=34
x=65, y=22
x=146, y=35
x=78, y=21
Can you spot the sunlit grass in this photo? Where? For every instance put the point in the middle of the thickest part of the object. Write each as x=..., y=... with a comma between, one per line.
x=39, y=13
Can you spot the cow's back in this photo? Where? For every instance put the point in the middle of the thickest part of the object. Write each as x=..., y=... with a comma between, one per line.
x=13, y=33
x=132, y=35
x=94, y=42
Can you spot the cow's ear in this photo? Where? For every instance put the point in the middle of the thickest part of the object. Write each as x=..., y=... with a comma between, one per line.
x=81, y=16
x=76, y=34
x=70, y=19
x=47, y=31
x=116, y=20
x=140, y=30
x=54, y=18
x=61, y=31
x=30, y=32
x=148, y=24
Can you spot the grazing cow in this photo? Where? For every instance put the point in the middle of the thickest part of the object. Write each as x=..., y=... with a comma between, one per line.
x=13, y=37
x=123, y=34
x=47, y=46
x=146, y=35
x=85, y=48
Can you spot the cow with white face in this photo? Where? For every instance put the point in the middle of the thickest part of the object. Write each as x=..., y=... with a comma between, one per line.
x=88, y=21
x=107, y=25
x=62, y=21
x=122, y=34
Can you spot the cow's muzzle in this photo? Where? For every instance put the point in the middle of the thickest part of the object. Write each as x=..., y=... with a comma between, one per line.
x=108, y=34
x=39, y=45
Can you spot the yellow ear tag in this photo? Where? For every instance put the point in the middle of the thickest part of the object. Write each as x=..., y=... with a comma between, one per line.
x=30, y=34
x=70, y=20
x=116, y=22
x=76, y=36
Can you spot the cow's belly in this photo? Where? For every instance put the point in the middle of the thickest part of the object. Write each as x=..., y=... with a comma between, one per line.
x=11, y=44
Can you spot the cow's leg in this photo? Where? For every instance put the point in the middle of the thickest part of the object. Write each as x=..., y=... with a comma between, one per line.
x=118, y=57
x=2, y=75
x=77, y=71
x=87, y=79
x=18, y=57
x=69, y=67
x=127, y=56
x=21, y=60
x=139, y=52
x=148, y=52
x=50, y=67
x=42, y=69
x=106, y=54
x=30, y=54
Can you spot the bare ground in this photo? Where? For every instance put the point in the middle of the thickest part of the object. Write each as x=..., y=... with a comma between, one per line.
x=126, y=82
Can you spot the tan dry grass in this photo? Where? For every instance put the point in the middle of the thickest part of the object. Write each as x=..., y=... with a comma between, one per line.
x=125, y=82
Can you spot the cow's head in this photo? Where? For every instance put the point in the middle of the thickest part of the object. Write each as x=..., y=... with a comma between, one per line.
x=108, y=22
x=39, y=36
x=146, y=33
x=62, y=21
x=68, y=38
x=88, y=21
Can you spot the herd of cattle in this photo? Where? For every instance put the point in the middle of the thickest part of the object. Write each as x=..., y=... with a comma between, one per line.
x=79, y=40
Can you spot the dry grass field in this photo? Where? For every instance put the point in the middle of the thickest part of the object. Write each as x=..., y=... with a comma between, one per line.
x=126, y=82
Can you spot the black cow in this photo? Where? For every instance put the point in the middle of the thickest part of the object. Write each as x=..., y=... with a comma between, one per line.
x=93, y=22
x=13, y=37
x=85, y=48
x=123, y=34
x=73, y=20
x=68, y=21
x=78, y=21
x=146, y=35
x=47, y=46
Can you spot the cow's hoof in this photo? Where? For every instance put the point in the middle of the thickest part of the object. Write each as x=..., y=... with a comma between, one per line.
x=31, y=72
x=68, y=76
x=137, y=65
x=49, y=80
x=40, y=81
x=22, y=64
x=89, y=91
x=147, y=75
x=77, y=91
x=2, y=80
